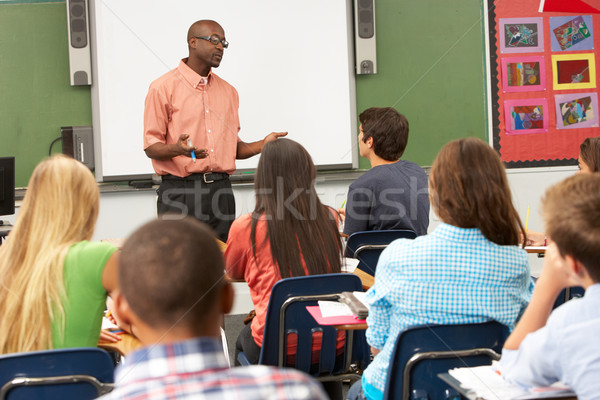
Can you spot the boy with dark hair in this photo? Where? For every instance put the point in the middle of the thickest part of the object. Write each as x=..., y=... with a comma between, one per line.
x=563, y=345
x=173, y=294
x=393, y=194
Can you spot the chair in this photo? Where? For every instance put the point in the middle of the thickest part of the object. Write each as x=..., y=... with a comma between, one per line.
x=287, y=314
x=422, y=352
x=77, y=373
x=368, y=245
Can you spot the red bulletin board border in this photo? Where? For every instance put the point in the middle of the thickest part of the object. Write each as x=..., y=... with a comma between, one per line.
x=557, y=147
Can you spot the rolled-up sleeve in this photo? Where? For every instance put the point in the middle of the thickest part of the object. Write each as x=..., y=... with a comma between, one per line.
x=535, y=363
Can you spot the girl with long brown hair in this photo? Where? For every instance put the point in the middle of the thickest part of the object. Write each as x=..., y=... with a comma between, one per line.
x=289, y=233
x=469, y=269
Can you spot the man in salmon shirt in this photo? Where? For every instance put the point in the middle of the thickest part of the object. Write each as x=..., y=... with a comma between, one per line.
x=191, y=110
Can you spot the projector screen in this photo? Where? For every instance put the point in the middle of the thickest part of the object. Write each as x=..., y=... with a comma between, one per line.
x=290, y=61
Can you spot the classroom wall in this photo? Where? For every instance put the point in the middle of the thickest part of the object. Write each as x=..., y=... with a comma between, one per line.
x=430, y=67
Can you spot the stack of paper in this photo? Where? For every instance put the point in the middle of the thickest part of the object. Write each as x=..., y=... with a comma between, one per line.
x=486, y=383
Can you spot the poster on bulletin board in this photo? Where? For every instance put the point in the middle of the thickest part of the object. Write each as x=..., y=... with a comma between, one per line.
x=543, y=80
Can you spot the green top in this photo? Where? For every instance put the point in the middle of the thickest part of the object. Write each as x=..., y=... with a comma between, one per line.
x=85, y=295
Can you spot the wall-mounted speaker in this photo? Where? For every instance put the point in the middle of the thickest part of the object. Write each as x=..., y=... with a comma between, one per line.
x=80, y=61
x=364, y=37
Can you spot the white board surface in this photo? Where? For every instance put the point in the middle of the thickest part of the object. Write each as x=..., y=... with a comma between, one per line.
x=291, y=62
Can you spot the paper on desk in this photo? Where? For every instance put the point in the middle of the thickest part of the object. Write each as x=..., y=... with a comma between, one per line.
x=333, y=309
x=486, y=383
x=107, y=324
x=349, y=264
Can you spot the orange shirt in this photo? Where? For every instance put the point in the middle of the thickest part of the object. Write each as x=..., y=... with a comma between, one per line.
x=181, y=101
x=260, y=274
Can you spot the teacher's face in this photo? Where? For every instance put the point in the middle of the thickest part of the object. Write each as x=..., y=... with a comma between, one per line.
x=204, y=50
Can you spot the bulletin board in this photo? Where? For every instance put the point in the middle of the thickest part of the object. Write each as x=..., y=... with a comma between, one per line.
x=543, y=82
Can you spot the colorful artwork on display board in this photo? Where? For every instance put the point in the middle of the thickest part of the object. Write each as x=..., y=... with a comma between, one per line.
x=573, y=71
x=567, y=108
x=526, y=116
x=521, y=35
x=576, y=110
x=571, y=33
x=523, y=74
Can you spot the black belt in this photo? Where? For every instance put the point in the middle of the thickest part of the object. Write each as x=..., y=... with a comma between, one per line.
x=208, y=177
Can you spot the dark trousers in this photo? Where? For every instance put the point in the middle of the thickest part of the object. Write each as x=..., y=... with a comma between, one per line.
x=245, y=343
x=212, y=203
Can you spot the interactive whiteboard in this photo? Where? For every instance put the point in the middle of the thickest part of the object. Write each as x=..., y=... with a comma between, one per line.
x=291, y=62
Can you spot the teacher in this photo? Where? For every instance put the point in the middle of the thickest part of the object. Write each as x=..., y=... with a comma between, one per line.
x=191, y=127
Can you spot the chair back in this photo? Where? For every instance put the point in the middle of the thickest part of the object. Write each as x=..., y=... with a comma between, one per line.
x=422, y=352
x=287, y=314
x=77, y=373
x=367, y=246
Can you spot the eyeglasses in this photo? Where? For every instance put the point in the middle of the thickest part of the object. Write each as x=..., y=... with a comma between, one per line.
x=214, y=39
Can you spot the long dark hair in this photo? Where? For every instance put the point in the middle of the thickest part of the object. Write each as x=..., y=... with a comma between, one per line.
x=469, y=189
x=299, y=226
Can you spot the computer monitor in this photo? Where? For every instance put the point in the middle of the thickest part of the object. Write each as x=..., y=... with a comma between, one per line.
x=7, y=185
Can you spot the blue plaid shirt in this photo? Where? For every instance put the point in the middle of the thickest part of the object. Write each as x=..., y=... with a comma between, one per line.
x=197, y=369
x=451, y=276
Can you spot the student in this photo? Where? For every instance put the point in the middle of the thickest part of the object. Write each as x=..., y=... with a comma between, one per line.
x=588, y=162
x=289, y=233
x=468, y=270
x=174, y=293
x=589, y=155
x=393, y=193
x=564, y=345
x=191, y=110
x=54, y=280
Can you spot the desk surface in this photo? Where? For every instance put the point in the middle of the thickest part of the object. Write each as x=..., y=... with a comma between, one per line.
x=536, y=249
x=366, y=279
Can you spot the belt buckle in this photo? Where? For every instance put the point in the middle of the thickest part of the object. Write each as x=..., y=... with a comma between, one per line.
x=204, y=178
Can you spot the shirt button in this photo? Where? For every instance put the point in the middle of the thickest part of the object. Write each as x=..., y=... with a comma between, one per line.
x=212, y=150
x=209, y=131
x=207, y=111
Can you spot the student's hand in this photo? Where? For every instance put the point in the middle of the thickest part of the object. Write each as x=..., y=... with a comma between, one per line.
x=342, y=214
x=108, y=336
x=535, y=238
x=273, y=136
x=113, y=315
x=374, y=351
x=556, y=273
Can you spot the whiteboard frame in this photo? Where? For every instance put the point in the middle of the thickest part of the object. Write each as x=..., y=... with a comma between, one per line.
x=107, y=75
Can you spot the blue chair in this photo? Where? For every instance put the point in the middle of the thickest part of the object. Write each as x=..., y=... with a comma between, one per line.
x=77, y=373
x=422, y=352
x=368, y=245
x=287, y=314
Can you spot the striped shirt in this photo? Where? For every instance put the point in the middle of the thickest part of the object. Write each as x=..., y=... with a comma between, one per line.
x=451, y=276
x=197, y=369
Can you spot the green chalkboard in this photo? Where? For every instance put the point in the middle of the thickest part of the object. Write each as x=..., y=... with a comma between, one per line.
x=430, y=67
x=430, y=56
x=36, y=98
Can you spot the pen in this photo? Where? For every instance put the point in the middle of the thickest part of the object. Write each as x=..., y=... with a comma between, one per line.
x=192, y=152
x=343, y=204
x=527, y=219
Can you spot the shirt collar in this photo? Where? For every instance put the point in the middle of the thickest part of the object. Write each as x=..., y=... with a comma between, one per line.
x=160, y=360
x=593, y=290
x=192, y=76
